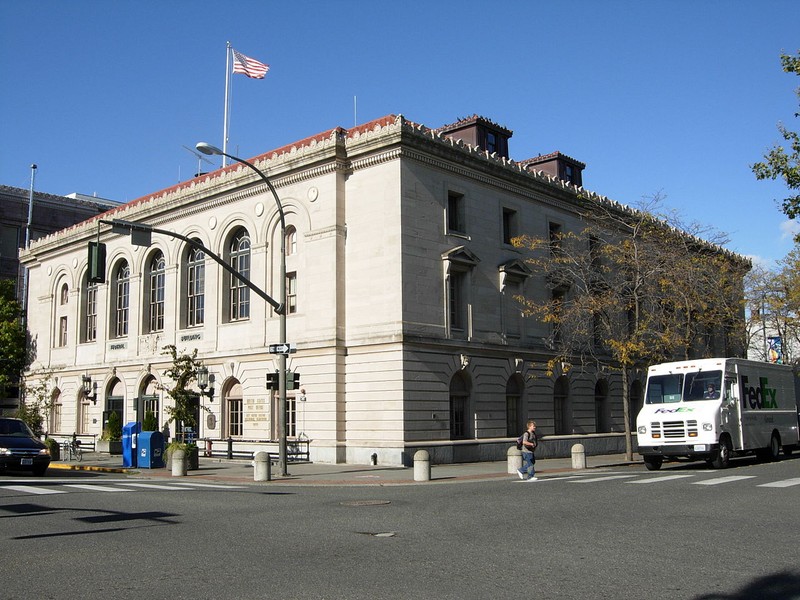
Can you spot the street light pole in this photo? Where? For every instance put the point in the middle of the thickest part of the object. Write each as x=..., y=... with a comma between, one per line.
x=282, y=461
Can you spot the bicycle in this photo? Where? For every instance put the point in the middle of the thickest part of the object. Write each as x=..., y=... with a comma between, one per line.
x=72, y=450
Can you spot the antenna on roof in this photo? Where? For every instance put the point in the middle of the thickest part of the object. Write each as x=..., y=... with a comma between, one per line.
x=200, y=159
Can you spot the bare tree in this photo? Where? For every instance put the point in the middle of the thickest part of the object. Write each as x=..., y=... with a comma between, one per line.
x=634, y=287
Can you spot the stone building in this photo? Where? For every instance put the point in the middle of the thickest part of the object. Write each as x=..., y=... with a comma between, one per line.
x=400, y=275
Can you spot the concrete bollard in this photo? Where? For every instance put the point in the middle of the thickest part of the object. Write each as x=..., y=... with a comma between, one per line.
x=263, y=467
x=578, y=457
x=514, y=458
x=179, y=461
x=422, y=466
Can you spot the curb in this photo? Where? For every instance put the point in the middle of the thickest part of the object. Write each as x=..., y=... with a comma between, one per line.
x=65, y=467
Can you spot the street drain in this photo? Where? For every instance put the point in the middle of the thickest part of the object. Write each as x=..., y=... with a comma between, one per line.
x=365, y=502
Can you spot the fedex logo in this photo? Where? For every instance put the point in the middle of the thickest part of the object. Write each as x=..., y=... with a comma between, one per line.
x=674, y=410
x=759, y=397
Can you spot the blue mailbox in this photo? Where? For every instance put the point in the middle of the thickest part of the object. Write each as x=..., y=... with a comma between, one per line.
x=130, y=431
x=151, y=450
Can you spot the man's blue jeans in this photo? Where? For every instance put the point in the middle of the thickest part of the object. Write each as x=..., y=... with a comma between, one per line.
x=527, y=464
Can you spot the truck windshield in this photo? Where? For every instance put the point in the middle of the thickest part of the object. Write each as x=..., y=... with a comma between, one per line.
x=700, y=385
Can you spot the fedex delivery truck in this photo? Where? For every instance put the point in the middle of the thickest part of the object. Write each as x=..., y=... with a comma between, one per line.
x=710, y=409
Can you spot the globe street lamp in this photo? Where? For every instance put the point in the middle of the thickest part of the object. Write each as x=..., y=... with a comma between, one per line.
x=282, y=462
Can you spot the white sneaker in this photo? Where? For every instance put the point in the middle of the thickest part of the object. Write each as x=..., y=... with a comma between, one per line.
x=521, y=476
x=532, y=479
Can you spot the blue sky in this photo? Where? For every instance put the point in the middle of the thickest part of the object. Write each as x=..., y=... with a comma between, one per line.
x=674, y=98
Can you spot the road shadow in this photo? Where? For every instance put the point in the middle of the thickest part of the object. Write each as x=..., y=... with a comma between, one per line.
x=784, y=585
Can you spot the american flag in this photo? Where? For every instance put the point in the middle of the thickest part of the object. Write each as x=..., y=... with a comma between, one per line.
x=248, y=66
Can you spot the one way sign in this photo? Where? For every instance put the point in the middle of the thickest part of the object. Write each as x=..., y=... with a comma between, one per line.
x=282, y=349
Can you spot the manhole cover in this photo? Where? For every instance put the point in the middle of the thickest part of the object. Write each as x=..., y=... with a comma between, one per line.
x=366, y=502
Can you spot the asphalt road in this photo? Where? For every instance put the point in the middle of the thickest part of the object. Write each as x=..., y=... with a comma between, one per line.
x=685, y=532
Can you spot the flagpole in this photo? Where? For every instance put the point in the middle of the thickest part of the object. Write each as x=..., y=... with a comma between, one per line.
x=226, y=119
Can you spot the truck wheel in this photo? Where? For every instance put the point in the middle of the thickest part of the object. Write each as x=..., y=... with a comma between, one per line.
x=653, y=463
x=774, y=446
x=723, y=457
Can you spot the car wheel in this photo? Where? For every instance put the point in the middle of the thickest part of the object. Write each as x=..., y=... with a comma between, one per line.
x=653, y=463
x=723, y=457
x=774, y=446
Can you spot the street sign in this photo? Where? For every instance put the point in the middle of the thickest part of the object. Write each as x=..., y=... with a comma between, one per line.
x=282, y=348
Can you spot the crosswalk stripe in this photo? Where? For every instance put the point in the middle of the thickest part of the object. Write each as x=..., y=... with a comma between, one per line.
x=216, y=486
x=156, y=486
x=660, y=479
x=782, y=484
x=605, y=478
x=721, y=480
x=31, y=489
x=93, y=487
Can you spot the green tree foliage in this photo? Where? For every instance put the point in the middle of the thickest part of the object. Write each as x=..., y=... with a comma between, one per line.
x=634, y=288
x=773, y=299
x=37, y=401
x=182, y=372
x=14, y=357
x=782, y=162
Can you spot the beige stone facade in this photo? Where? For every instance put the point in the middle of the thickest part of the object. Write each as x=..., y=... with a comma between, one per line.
x=402, y=282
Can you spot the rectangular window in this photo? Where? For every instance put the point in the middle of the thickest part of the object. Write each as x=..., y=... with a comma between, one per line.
x=157, y=301
x=291, y=293
x=555, y=235
x=240, y=293
x=235, y=417
x=196, y=293
x=458, y=317
x=123, y=296
x=509, y=225
x=455, y=213
x=9, y=241
x=291, y=417
x=62, y=332
x=91, y=312
x=56, y=417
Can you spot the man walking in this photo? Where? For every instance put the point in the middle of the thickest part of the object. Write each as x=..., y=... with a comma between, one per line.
x=529, y=442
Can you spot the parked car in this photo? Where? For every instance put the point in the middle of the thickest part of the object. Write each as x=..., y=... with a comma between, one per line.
x=20, y=448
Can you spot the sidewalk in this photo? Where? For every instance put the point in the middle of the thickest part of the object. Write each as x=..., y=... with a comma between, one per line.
x=242, y=471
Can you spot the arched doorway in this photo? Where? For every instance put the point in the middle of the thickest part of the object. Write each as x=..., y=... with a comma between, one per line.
x=562, y=411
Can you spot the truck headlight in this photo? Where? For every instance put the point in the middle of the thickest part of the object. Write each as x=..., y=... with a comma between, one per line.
x=707, y=427
x=642, y=429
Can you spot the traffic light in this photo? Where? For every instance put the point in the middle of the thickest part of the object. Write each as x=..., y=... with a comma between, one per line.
x=272, y=380
x=97, y=262
x=292, y=380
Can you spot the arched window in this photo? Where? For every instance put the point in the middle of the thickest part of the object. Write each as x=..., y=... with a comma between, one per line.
x=459, y=406
x=602, y=414
x=291, y=240
x=122, y=292
x=156, y=276
x=562, y=415
x=234, y=411
x=196, y=287
x=61, y=316
x=89, y=310
x=239, y=293
x=56, y=411
x=514, y=412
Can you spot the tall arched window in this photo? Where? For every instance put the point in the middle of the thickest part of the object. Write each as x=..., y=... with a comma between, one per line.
x=61, y=320
x=234, y=411
x=239, y=293
x=156, y=275
x=291, y=240
x=459, y=406
x=122, y=293
x=56, y=411
x=514, y=412
x=89, y=310
x=602, y=414
x=196, y=287
x=562, y=414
